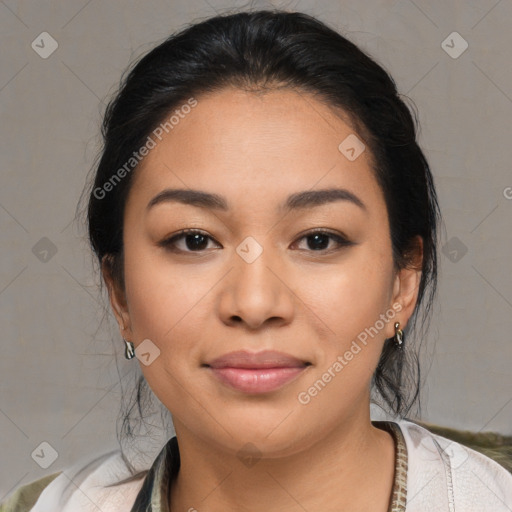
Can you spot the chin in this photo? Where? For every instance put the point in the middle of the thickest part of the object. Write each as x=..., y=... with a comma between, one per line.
x=272, y=430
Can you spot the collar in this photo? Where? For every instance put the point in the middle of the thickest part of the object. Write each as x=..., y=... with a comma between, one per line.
x=154, y=495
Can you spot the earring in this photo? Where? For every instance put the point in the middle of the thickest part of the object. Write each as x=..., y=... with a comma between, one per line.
x=129, y=352
x=399, y=335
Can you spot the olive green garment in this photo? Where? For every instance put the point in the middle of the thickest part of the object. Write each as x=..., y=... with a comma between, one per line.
x=26, y=496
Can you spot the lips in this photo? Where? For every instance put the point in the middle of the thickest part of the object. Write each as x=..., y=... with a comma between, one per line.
x=259, y=372
x=264, y=359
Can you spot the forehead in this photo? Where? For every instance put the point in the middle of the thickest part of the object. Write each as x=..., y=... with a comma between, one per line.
x=256, y=147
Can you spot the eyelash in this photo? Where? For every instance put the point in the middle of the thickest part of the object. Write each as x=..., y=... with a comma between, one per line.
x=169, y=243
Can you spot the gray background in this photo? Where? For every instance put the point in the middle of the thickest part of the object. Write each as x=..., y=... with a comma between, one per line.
x=59, y=377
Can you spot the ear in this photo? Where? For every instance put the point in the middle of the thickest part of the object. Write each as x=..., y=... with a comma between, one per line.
x=406, y=286
x=117, y=298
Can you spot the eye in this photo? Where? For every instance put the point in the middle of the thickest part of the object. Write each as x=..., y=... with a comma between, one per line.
x=318, y=241
x=194, y=241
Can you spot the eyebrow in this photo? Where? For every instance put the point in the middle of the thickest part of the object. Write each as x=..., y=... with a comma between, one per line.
x=297, y=201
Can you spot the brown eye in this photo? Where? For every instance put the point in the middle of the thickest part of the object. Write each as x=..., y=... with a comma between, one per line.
x=188, y=240
x=196, y=241
x=318, y=241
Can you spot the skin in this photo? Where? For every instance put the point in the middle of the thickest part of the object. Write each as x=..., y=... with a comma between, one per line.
x=255, y=150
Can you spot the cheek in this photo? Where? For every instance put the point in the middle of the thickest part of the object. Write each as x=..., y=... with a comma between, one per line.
x=164, y=306
x=170, y=305
x=349, y=297
x=349, y=301
x=158, y=295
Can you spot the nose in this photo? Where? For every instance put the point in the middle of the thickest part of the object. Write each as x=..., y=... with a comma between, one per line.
x=255, y=292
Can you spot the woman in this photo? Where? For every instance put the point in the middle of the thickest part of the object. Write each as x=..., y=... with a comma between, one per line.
x=231, y=151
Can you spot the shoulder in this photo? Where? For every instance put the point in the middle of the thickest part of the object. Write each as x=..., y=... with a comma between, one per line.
x=104, y=482
x=448, y=475
x=25, y=496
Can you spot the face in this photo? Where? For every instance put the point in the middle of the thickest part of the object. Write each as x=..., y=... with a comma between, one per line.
x=310, y=277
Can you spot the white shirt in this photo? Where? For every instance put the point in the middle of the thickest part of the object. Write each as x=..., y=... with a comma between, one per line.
x=442, y=476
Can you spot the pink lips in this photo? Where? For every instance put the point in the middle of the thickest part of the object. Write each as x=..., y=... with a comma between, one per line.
x=259, y=372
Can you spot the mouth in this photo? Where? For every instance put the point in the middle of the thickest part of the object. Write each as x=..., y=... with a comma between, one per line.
x=255, y=373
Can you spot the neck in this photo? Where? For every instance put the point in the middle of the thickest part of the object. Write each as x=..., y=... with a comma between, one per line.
x=351, y=468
